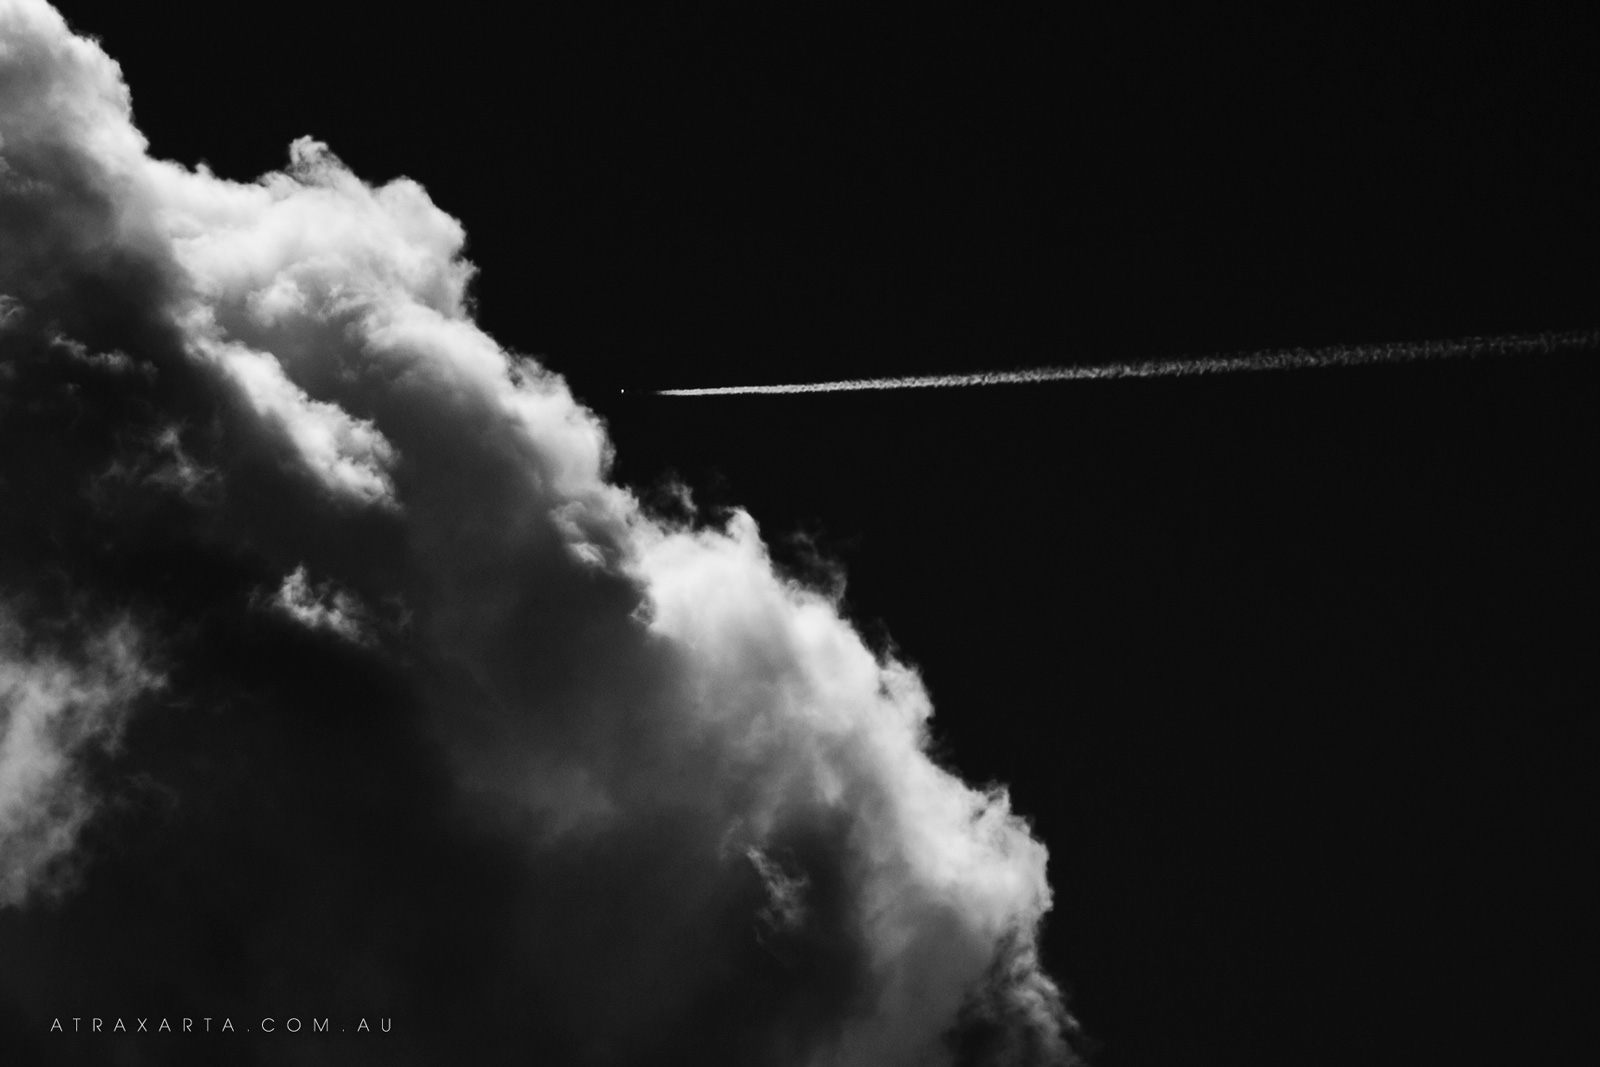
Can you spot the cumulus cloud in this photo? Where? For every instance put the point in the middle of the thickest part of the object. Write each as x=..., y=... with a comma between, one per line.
x=721, y=827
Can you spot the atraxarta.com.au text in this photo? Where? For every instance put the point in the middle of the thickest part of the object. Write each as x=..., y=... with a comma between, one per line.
x=211, y=1025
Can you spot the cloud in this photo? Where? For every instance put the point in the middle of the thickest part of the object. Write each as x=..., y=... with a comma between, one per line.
x=324, y=608
x=113, y=362
x=786, y=903
x=689, y=816
x=54, y=711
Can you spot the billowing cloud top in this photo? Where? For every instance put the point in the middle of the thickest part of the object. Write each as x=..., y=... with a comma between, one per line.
x=704, y=821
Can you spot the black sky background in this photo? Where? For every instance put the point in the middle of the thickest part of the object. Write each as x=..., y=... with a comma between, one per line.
x=1292, y=671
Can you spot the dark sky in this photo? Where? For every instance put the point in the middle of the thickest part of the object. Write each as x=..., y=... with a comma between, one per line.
x=1286, y=668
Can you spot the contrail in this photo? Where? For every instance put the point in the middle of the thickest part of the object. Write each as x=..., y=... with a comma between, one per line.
x=1269, y=359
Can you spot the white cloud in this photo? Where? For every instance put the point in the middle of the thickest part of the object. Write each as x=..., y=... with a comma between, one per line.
x=320, y=607
x=114, y=362
x=348, y=456
x=593, y=665
x=53, y=710
x=786, y=893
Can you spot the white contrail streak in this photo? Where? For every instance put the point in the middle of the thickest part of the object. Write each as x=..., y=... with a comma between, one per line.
x=1271, y=359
